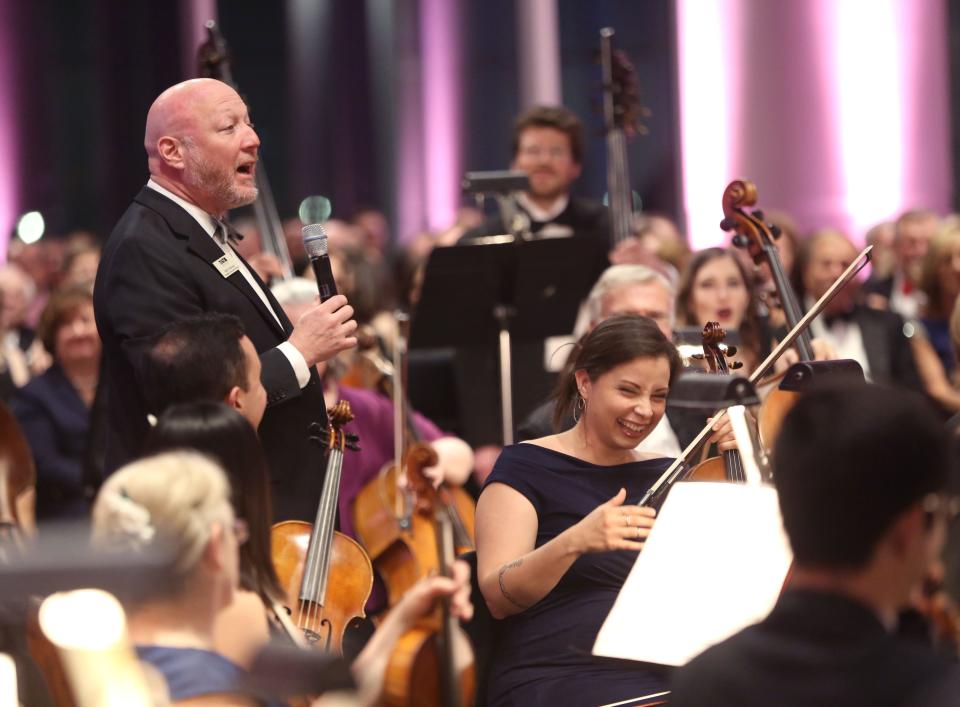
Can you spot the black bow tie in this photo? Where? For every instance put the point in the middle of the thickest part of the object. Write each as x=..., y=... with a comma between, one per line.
x=830, y=319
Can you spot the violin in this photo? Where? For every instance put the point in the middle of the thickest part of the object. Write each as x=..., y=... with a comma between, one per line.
x=397, y=533
x=326, y=575
x=432, y=664
x=214, y=59
x=728, y=466
x=758, y=237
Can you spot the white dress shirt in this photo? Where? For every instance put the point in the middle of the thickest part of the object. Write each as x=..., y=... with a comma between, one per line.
x=210, y=225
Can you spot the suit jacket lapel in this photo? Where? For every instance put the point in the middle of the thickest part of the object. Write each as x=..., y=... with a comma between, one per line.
x=878, y=353
x=201, y=244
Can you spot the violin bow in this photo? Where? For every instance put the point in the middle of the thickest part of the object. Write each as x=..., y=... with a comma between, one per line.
x=675, y=470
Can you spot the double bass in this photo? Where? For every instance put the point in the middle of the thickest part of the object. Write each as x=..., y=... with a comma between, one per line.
x=213, y=58
x=307, y=557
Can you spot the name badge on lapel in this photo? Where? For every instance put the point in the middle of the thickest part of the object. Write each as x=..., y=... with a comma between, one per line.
x=226, y=265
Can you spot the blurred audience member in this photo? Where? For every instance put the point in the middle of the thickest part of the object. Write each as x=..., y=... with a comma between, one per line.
x=882, y=258
x=878, y=340
x=54, y=409
x=375, y=234
x=24, y=354
x=940, y=283
x=715, y=287
x=661, y=237
x=80, y=266
x=900, y=291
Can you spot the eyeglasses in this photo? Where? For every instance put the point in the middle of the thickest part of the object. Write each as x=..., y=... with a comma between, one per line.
x=241, y=531
x=945, y=505
x=536, y=152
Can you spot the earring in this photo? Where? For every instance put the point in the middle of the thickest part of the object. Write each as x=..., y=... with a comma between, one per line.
x=578, y=408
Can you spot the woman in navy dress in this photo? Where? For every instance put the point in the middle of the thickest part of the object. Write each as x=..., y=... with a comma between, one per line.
x=558, y=528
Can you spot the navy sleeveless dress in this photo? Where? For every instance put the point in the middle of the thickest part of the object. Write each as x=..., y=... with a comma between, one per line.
x=543, y=655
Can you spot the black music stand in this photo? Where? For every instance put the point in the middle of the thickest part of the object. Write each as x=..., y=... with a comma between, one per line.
x=499, y=289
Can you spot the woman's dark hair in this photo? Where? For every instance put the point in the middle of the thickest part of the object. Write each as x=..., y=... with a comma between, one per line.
x=614, y=341
x=224, y=434
x=750, y=336
x=63, y=306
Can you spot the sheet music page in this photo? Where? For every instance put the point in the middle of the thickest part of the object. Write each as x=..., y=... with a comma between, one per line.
x=714, y=563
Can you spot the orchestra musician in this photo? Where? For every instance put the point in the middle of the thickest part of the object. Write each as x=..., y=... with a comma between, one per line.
x=183, y=499
x=170, y=257
x=861, y=474
x=557, y=525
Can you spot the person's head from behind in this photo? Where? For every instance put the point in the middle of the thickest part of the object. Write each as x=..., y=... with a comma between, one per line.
x=204, y=357
x=68, y=329
x=548, y=146
x=201, y=145
x=223, y=434
x=617, y=381
x=17, y=290
x=632, y=289
x=912, y=233
x=180, y=502
x=860, y=472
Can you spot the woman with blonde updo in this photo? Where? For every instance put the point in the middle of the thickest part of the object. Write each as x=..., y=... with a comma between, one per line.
x=180, y=500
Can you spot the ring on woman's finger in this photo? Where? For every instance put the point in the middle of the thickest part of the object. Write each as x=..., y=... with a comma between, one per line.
x=626, y=520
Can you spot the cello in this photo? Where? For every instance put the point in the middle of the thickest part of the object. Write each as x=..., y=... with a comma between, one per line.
x=758, y=237
x=432, y=663
x=307, y=558
x=398, y=534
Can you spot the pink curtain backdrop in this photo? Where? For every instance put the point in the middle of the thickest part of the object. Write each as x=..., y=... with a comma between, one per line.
x=9, y=157
x=839, y=111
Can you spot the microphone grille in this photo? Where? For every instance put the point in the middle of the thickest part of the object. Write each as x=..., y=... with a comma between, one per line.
x=314, y=240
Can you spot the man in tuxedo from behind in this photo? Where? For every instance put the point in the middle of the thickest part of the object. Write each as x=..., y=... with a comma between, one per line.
x=171, y=256
x=861, y=475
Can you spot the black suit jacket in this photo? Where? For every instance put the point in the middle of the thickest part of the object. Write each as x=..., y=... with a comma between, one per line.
x=888, y=349
x=813, y=649
x=157, y=267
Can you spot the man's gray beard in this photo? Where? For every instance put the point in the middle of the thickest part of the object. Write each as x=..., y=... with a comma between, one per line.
x=202, y=176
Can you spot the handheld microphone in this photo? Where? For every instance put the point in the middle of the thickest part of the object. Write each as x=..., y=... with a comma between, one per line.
x=315, y=243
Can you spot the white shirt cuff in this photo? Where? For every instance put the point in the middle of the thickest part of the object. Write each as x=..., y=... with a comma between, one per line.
x=300, y=367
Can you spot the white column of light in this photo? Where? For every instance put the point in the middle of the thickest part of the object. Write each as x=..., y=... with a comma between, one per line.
x=538, y=53
x=868, y=93
x=703, y=60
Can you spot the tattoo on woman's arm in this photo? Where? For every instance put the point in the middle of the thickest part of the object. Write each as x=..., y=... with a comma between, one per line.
x=503, y=589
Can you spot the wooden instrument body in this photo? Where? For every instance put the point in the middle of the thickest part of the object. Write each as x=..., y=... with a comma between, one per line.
x=351, y=581
x=412, y=678
x=404, y=556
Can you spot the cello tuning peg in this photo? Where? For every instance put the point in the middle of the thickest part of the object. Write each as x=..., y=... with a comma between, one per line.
x=353, y=446
x=758, y=214
x=728, y=224
x=315, y=428
x=774, y=230
x=731, y=351
x=735, y=365
x=319, y=441
x=740, y=240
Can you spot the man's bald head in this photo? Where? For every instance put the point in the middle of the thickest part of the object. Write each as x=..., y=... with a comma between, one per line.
x=201, y=145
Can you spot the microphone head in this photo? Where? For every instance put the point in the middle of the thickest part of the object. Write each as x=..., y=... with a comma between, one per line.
x=314, y=240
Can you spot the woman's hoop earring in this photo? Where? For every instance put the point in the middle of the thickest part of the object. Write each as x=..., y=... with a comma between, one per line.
x=578, y=408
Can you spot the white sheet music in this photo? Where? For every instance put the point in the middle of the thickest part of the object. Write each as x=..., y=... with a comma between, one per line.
x=714, y=563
